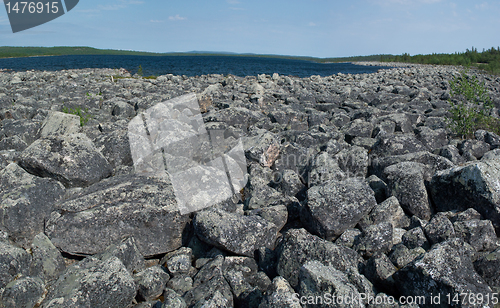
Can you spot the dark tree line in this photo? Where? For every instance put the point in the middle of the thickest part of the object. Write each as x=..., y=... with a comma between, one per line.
x=488, y=60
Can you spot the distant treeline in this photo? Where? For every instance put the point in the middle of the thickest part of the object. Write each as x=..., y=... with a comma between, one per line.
x=488, y=60
x=14, y=52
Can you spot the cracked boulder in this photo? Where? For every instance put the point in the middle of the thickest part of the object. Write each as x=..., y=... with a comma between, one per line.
x=142, y=206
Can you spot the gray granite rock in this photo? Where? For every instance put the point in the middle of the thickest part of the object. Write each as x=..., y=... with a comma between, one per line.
x=60, y=123
x=336, y=206
x=480, y=234
x=233, y=232
x=151, y=282
x=14, y=261
x=22, y=292
x=71, y=159
x=280, y=295
x=299, y=246
x=142, y=206
x=47, y=261
x=446, y=269
x=27, y=202
x=93, y=282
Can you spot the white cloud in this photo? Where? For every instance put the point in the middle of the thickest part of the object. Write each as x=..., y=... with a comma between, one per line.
x=233, y=1
x=482, y=6
x=156, y=21
x=312, y=24
x=176, y=17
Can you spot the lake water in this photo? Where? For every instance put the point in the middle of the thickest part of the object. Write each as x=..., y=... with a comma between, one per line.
x=188, y=65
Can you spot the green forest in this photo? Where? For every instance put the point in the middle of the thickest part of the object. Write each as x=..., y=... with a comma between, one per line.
x=488, y=60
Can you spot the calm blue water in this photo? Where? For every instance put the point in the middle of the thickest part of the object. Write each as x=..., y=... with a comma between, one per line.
x=187, y=65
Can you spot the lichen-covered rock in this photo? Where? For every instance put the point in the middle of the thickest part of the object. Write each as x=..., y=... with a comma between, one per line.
x=475, y=185
x=13, y=261
x=446, y=269
x=299, y=246
x=71, y=159
x=480, y=234
x=172, y=300
x=60, y=123
x=93, y=282
x=316, y=279
x=337, y=206
x=374, y=239
x=233, y=232
x=405, y=181
x=23, y=292
x=151, y=282
x=142, y=206
x=179, y=262
x=126, y=250
x=387, y=211
x=414, y=238
x=487, y=267
x=280, y=295
x=398, y=144
x=401, y=255
x=48, y=262
x=439, y=229
x=379, y=270
x=26, y=202
x=323, y=169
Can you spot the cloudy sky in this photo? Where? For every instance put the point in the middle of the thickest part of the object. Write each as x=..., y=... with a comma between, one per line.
x=320, y=28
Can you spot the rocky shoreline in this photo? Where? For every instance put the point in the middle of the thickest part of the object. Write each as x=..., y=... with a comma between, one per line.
x=356, y=191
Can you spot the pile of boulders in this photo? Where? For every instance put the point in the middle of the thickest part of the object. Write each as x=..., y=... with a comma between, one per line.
x=358, y=194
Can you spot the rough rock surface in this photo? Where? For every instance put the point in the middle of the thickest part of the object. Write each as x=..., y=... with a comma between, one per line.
x=366, y=160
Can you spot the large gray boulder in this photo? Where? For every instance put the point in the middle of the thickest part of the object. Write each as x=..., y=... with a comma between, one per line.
x=26, y=202
x=316, y=279
x=299, y=247
x=233, y=232
x=445, y=270
x=93, y=282
x=397, y=144
x=48, y=263
x=13, y=261
x=280, y=295
x=71, y=159
x=142, y=206
x=405, y=181
x=337, y=206
x=23, y=292
x=60, y=123
x=475, y=185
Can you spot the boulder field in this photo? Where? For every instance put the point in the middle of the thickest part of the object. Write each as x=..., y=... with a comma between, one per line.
x=357, y=194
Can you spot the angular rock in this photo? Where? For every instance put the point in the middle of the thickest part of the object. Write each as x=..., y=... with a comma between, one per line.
x=451, y=153
x=60, y=123
x=476, y=148
x=179, y=262
x=27, y=202
x=93, y=282
x=323, y=169
x=401, y=255
x=151, y=282
x=280, y=295
x=480, y=234
x=353, y=161
x=48, y=262
x=172, y=300
x=23, y=292
x=142, y=206
x=358, y=128
x=414, y=238
x=487, y=267
x=433, y=162
x=446, y=269
x=406, y=182
x=398, y=144
x=379, y=270
x=180, y=284
x=71, y=159
x=126, y=250
x=439, y=229
x=374, y=239
x=387, y=211
x=433, y=139
x=336, y=206
x=348, y=238
x=316, y=279
x=474, y=185
x=233, y=232
x=13, y=261
x=299, y=246
x=378, y=186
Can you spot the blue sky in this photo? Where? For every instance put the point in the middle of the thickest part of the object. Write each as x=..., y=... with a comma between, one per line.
x=320, y=28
